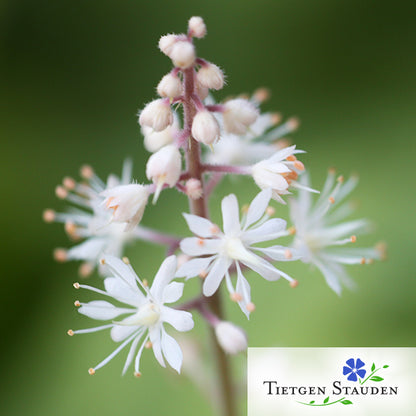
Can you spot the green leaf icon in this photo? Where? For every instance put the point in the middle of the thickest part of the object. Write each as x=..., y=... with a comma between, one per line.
x=373, y=367
x=385, y=366
x=376, y=378
x=312, y=402
x=346, y=402
x=326, y=400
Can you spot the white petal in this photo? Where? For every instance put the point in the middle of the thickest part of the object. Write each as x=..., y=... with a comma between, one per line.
x=154, y=335
x=345, y=229
x=194, y=246
x=200, y=226
x=330, y=276
x=171, y=351
x=270, y=230
x=121, y=332
x=243, y=287
x=100, y=309
x=280, y=253
x=163, y=277
x=230, y=215
x=265, y=269
x=120, y=290
x=180, y=320
x=193, y=267
x=257, y=207
x=216, y=274
x=131, y=353
x=88, y=250
x=122, y=271
x=172, y=292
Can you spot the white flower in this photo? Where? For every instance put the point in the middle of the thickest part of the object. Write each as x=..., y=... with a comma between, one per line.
x=235, y=246
x=146, y=312
x=166, y=43
x=157, y=115
x=238, y=115
x=278, y=172
x=127, y=202
x=182, y=54
x=155, y=140
x=197, y=27
x=210, y=76
x=164, y=167
x=170, y=86
x=205, y=128
x=91, y=220
x=231, y=337
x=320, y=236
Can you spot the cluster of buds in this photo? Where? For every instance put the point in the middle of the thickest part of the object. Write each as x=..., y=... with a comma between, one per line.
x=245, y=143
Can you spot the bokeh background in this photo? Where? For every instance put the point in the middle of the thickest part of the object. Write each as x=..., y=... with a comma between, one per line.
x=74, y=74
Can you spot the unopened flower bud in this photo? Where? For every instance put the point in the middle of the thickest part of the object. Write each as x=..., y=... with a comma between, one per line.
x=193, y=188
x=166, y=43
x=157, y=114
x=182, y=54
x=231, y=338
x=211, y=76
x=127, y=202
x=155, y=140
x=164, y=167
x=205, y=128
x=170, y=86
x=238, y=115
x=201, y=90
x=197, y=27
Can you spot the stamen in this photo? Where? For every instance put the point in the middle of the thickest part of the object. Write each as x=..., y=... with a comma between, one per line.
x=203, y=274
x=76, y=285
x=291, y=158
x=270, y=211
x=60, y=255
x=236, y=297
x=87, y=172
x=244, y=208
x=71, y=229
x=291, y=230
x=126, y=260
x=331, y=199
x=70, y=332
x=293, y=123
x=85, y=269
x=288, y=254
x=214, y=229
x=353, y=239
x=77, y=303
x=362, y=261
x=49, y=215
x=148, y=345
x=61, y=192
x=102, y=261
x=261, y=94
x=200, y=242
x=145, y=283
x=293, y=283
x=299, y=165
x=251, y=307
x=137, y=374
x=91, y=371
x=69, y=183
x=275, y=118
x=340, y=179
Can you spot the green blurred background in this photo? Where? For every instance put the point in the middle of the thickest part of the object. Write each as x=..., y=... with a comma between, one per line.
x=74, y=74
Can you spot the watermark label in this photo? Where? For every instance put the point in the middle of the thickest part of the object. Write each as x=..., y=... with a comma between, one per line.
x=328, y=381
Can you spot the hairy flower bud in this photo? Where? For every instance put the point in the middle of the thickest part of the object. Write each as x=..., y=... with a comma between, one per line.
x=238, y=115
x=201, y=90
x=166, y=42
x=197, y=27
x=182, y=54
x=164, y=167
x=127, y=202
x=170, y=86
x=205, y=128
x=157, y=114
x=231, y=337
x=193, y=188
x=210, y=76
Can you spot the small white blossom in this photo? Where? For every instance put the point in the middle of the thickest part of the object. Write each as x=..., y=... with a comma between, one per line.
x=278, y=172
x=91, y=221
x=197, y=27
x=127, y=202
x=164, y=167
x=146, y=312
x=166, y=43
x=238, y=115
x=321, y=238
x=235, y=246
x=182, y=54
x=157, y=115
x=210, y=76
x=155, y=140
x=170, y=86
x=205, y=128
x=231, y=337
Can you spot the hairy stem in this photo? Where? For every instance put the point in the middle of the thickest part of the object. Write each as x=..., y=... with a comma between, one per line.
x=199, y=207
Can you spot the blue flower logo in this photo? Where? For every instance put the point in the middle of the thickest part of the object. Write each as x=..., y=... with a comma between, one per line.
x=354, y=368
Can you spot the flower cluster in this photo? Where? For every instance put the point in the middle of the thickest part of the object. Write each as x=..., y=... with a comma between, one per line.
x=108, y=215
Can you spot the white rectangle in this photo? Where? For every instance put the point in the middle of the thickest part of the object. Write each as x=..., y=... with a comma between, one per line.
x=328, y=381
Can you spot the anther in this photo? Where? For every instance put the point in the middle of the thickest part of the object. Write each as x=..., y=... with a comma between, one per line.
x=288, y=254
x=332, y=171
x=61, y=192
x=85, y=269
x=291, y=230
x=60, y=255
x=69, y=183
x=145, y=283
x=293, y=283
x=77, y=303
x=244, y=208
x=331, y=199
x=293, y=123
x=353, y=239
x=382, y=249
x=362, y=261
x=291, y=158
x=148, y=345
x=203, y=274
x=126, y=260
x=299, y=165
x=70, y=332
x=275, y=118
x=236, y=297
x=91, y=371
x=76, y=285
x=200, y=242
x=49, y=215
x=87, y=172
x=251, y=307
x=102, y=261
x=70, y=228
x=270, y=211
x=137, y=374
x=214, y=229
x=370, y=261
x=340, y=179
x=261, y=94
